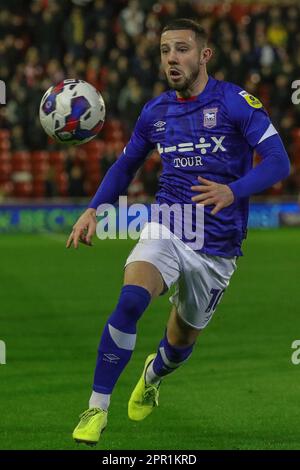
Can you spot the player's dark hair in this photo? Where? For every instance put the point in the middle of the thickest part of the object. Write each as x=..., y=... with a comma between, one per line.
x=186, y=23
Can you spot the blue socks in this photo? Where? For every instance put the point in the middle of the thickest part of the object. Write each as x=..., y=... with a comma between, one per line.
x=168, y=359
x=119, y=337
x=118, y=342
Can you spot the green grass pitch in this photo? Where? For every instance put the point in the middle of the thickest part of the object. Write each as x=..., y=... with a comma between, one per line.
x=239, y=390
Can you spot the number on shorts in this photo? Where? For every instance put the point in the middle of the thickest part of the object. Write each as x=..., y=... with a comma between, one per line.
x=216, y=295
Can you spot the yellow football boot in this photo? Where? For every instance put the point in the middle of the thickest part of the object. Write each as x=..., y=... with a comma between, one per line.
x=92, y=423
x=144, y=397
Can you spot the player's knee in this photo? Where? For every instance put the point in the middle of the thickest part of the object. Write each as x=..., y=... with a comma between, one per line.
x=130, y=302
x=133, y=301
x=144, y=285
x=145, y=275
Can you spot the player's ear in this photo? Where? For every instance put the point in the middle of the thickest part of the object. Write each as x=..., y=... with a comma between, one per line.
x=206, y=54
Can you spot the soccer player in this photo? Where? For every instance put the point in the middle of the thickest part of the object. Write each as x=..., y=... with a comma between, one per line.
x=205, y=131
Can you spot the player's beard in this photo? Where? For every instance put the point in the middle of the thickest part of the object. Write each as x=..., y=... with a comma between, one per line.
x=186, y=82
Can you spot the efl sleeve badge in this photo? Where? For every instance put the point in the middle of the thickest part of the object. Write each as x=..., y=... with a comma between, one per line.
x=251, y=100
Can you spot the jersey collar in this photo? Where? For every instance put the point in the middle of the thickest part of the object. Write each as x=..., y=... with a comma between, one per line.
x=206, y=89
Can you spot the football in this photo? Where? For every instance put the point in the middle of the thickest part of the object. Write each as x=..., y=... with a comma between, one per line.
x=72, y=112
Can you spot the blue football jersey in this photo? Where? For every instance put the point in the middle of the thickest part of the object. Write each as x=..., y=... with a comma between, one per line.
x=211, y=135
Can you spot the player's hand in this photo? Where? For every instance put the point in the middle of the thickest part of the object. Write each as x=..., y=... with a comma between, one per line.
x=219, y=195
x=84, y=229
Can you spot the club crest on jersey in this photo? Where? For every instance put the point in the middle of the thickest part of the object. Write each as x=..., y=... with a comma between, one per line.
x=251, y=100
x=210, y=117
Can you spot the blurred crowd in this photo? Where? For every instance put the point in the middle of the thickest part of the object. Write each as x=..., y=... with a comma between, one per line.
x=114, y=45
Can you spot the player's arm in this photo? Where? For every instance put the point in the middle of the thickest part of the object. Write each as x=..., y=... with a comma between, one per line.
x=115, y=183
x=274, y=167
x=255, y=125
